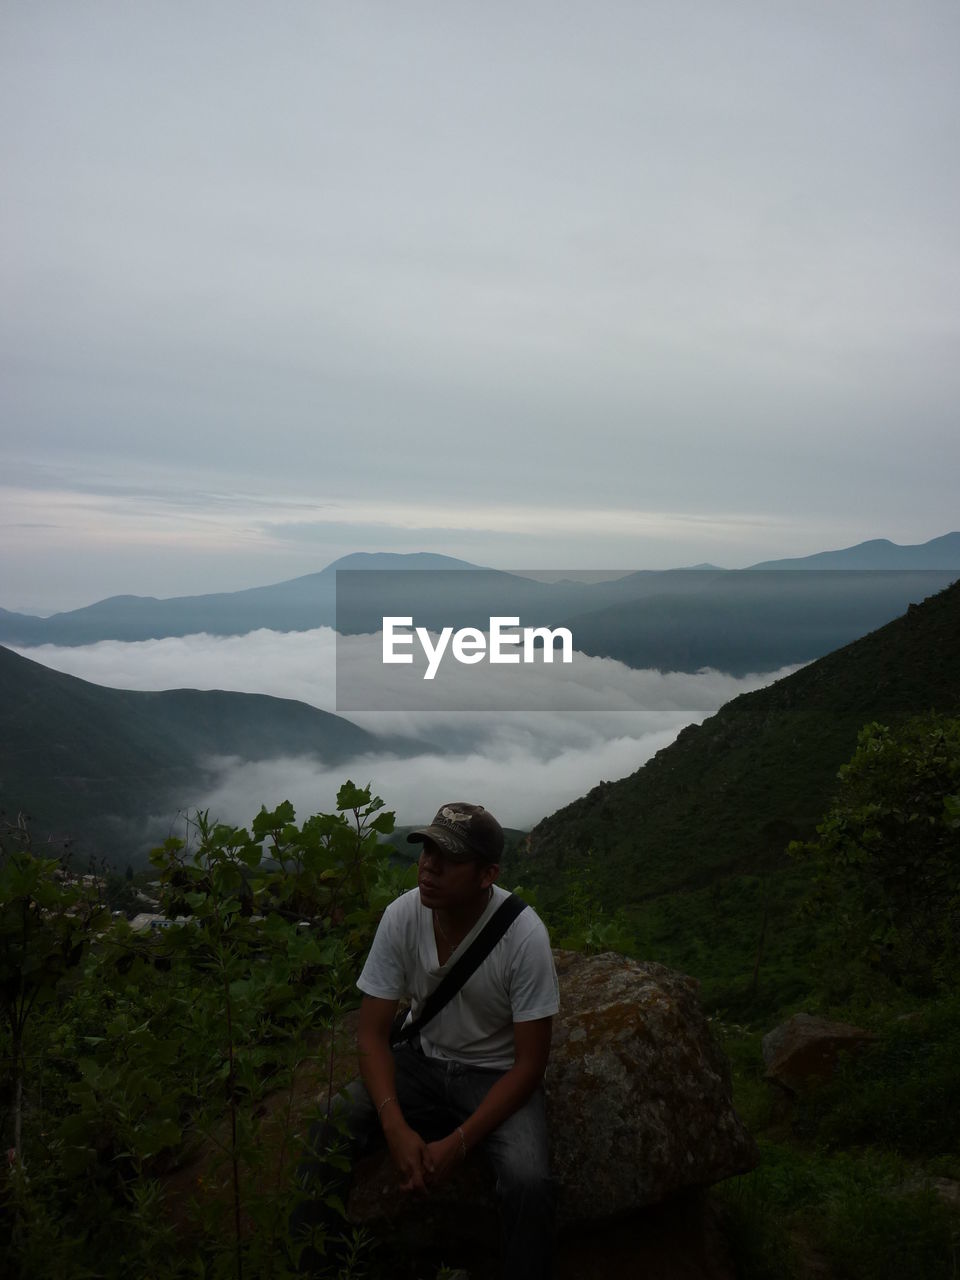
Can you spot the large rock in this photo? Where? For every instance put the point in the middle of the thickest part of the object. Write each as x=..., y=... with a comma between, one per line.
x=806, y=1048
x=638, y=1091
x=638, y=1098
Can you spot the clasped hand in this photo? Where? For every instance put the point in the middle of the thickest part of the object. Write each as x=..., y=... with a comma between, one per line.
x=422, y=1164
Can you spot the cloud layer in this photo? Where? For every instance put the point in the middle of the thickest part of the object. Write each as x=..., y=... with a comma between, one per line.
x=523, y=765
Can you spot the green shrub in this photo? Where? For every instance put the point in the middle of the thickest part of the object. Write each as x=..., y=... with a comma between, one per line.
x=131, y=1049
x=899, y=1094
x=887, y=855
x=886, y=1235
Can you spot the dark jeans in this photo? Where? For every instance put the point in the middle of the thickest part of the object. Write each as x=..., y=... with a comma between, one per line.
x=435, y=1096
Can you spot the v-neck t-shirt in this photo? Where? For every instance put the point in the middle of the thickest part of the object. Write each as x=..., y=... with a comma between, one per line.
x=516, y=982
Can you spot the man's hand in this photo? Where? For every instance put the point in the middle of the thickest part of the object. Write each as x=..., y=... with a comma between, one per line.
x=411, y=1155
x=407, y=1149
x=446, y=1155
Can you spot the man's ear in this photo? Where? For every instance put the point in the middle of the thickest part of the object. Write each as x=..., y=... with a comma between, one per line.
x=488, y=874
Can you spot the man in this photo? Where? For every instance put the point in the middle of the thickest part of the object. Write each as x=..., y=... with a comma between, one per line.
x=473, y=1076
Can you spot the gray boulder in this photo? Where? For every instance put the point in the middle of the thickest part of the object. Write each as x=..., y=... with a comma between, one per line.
x=638, y=1091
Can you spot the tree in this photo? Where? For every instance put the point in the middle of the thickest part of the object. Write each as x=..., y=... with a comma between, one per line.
x=199, y=1040
x=274, y=920
x=887, y=854
x=45, y=926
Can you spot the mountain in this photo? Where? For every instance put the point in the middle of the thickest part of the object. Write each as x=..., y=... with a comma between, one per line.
x=737, y=621
x=95, y=764
x=692, y=844
x=742, y=621
x=299, y=604
x=879, y=553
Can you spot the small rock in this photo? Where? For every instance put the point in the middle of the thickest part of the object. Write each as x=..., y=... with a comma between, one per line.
x=806, y=1048
x=946, y=1189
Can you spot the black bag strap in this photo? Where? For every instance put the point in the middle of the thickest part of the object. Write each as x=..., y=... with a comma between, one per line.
x=469, y=962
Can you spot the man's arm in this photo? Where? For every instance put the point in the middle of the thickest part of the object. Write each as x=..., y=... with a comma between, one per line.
x=531, y=1042
x=408, y=1150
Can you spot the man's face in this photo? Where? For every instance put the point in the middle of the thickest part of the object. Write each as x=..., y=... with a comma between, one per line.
x=447, y=885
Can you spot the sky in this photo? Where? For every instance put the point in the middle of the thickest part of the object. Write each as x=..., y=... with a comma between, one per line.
x=610, y=285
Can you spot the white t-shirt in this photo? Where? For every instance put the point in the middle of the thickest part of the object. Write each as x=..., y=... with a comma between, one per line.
x=517, y=982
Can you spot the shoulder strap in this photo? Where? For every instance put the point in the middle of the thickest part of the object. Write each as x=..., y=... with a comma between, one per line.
x=469, y=962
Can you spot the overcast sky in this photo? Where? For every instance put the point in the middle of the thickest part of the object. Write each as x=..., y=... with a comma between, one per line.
x=607, y=284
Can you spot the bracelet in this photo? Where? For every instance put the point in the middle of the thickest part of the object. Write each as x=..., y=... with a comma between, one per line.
x=391, y=1098
x=463, y=1143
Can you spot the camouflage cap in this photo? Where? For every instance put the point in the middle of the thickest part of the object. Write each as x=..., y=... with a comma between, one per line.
x=465, y=833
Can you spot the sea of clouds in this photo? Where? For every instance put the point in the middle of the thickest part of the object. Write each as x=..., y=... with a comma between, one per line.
x=523, y=764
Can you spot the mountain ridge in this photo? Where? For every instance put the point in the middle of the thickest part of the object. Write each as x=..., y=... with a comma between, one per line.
x=89, y=762
x=250, y=607
x=879, y=553
x=308, y=601
x=904, y=668
x=736, y=621
x=690, y=848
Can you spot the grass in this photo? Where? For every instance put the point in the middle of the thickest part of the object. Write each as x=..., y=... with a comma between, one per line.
x=840, y=1189
x=843, y=1215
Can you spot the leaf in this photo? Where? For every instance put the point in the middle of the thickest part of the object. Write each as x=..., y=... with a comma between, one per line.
x=153, y=1136
x=352, y=797
x=268, y=821
x=251, y=855
x=333, y=1201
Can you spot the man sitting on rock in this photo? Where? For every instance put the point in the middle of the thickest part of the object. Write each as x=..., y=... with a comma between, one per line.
x=472, y=1076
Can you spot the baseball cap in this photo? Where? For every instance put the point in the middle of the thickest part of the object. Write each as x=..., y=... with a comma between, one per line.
x=465, y=832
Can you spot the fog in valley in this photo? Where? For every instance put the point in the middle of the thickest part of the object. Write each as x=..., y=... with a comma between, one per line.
x=523, y=764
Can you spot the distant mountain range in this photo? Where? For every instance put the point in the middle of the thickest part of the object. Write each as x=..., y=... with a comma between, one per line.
x=299, y=604
x=744, y=621
x=879, y=553
x=693, y=842
x=109, y=768
x=684, y=619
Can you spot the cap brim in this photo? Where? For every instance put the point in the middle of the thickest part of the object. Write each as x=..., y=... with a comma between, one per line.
x=449, y=842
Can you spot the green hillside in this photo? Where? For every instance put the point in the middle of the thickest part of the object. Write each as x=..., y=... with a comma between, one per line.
x=95, y=764
x=693, y=844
